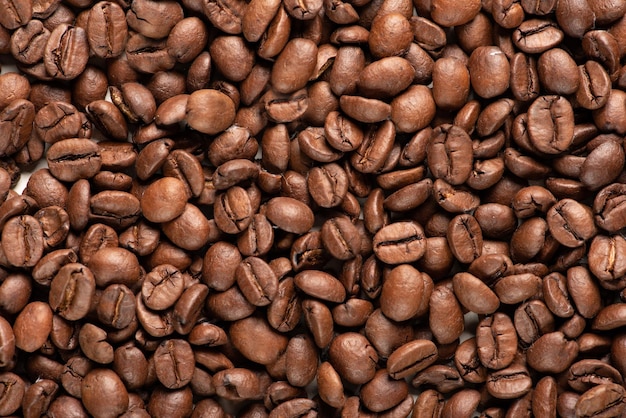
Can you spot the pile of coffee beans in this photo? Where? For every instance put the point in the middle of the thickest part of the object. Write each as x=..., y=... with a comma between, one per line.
x=301, y=208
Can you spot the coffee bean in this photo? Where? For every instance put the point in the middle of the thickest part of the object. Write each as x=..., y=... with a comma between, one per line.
x=233, y=211
x=496, y=340
x=474, y=294
x=67, y=52
x=445, y=379
x=257, y=281
x=103, y=393
x=32, y=326
x=465, y=238
x=22, y=241
x=571, y=233
x=400, y=242
x=542, y=354
x=445, y=316
x=289, y=214
x=107, y=30
x=174, y=363
x=411, y=358
x=509, y=383
x=350, y=346
x=537, y=35
x=604, y=398
x=73, y=159
x=72, y=291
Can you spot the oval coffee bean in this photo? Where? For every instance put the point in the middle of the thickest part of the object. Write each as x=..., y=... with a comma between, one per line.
x=400, y=242
x=411, y=358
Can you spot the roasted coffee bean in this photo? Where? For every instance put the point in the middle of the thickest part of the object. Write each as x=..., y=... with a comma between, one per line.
x=552, y=352
x=348, y=346
x=465, y=238
x=449, y=154
x=496, y=340
x=16, y=125
x=605, y=398
x=445, y=317
x=74, y=159
x=67, y=52
x=107, y=30
x=474, y=294
x=400, y=242
x=191, y=219
x=103, y=393
x=444, y=379
x=574, y=232
x=550, y=124
x=321, y=285
x=402, y=280
x=246, y=335
x=72, y=291
x=115, y=208
x=233, y=211
x=174, y=363
x=412, y=357
x=289, y=214
x=257, y=281
x=32, y=327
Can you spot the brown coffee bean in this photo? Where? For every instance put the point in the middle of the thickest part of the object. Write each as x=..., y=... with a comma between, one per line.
x=103, y=393
x=321, y=285
x=116, y=306
x=451, y=83
x=407, y=236
x=533, y=319
x=353, y=358
x=465, y=238
x=67, y=52
x=210, y=111
x=107, y=30
x=114, y=265
x=331, y=388
x=246, y=334
x=493, y=61
x=552, y=352
x=594, y=87
x=509, y=383
x=226, y=16
x=537, y=35
x=285, y=310
x=410, y=358
x=233, y=212
x=557, y=73
x=474, y=294
x=449, y=154
x=174, y=363
x=496, y=341
x=605, y=398
x=445, y=379
x=72, y=291
x=294, y=65
x=445, y=316
x=289, y=214
x=32, y=326
x=383, y=392
x=257, y=281
x=575, y=232
x=402, y=280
